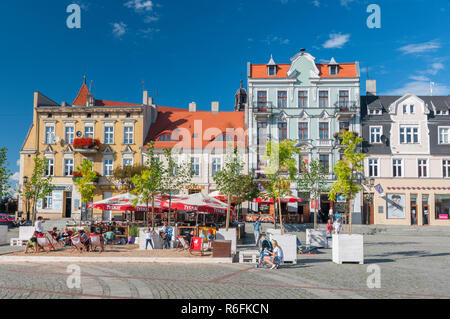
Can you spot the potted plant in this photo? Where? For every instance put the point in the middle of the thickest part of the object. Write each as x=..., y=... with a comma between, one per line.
x=86, y=143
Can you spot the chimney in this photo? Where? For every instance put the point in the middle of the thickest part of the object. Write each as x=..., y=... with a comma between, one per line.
x=64, y=104
x=371, y=87
x=215, y=107
x=145, y=98
x=193, y=107
x=90, y=100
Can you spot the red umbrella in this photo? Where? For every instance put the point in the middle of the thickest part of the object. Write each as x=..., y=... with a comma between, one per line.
x=197, y=202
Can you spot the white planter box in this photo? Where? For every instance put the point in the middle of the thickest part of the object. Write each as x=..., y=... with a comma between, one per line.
x=271, y=231
x=348, y=249
x=26, y=232
x=3, y=235
x=288, y=244
x=222, y=234
x=316, y=238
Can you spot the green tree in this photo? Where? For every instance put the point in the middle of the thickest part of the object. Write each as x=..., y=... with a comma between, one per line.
x=85, y=184
x=247, y=191
x=313, y=178
x=123, y=176
x=5, y=174
x=228, y=180
x=174, y=177
x=280, y=171
x=148, y=183
x=347, y=170
x=40, y=185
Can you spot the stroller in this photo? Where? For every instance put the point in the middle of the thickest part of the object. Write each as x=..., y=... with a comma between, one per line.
x=266, y=249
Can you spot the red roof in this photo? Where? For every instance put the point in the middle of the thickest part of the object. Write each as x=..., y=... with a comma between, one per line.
x=81, y=99
x=205, y=124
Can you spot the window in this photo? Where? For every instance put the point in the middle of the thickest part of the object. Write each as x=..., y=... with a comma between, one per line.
x=343, y=99
x=69, y=134
x=107, y=115
x=128, y=135
x=262, y=100
x=333, y=70
x=68, y=167
x=50, y=169
x=442, y=112
x=262, y=132
x=195, y=166
x=409, y=135
x=89, y=131
x=282, y=99
x=323, y=131
x=405, y=109
x=444, y=135
x=47, y=202
x=272, y=70
x=375, y=134
x=302, y=99
x=422, y=168
x=442, y=206
x=107, y=167
x=302, y=131
x=168, y=138
x=323, y=99
x=344, y=126
x=282, y=131
x=109, y=134
x=397, y=167
x=216, y=166
x=373, y=168
x=49, y=134
x=411, y=109
x=374, y=112
x=324, y=160
x=446, y=168
x=127, y=162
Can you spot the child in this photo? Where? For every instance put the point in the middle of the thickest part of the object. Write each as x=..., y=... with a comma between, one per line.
x=330, y=227
x=32, y=243
x=210, y=238
x=337, y=226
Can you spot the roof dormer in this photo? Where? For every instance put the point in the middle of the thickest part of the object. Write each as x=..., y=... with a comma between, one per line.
x=271, y=67
x=333, y=67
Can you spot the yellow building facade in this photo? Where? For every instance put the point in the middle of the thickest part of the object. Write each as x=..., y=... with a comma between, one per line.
x=119, y=128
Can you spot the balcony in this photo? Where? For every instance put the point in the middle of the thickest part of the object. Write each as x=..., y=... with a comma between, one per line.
x=86, y=145
x=324, y=143
x=347, y=110
x=262, y=110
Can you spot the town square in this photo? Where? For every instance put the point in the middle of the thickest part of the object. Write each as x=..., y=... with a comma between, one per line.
x=174, y=151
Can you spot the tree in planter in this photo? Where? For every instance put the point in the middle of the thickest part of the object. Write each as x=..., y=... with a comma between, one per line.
x=5, y=174
x=174, y=177
x=312, y=177
x=85, y=184
x=123, y=176
x=280, y=171
x=229, y=179
x=39, y=186
x=147, y=184
x=247, y=191
x=347, y=170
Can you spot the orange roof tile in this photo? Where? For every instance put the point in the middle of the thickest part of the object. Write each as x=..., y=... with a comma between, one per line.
x=346, y=70
x=81, y=99
x=212, y=124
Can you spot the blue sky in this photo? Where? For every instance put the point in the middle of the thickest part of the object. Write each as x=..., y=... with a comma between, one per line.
x=196, y=50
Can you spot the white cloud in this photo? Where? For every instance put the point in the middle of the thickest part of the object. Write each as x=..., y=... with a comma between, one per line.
x=18, y=162
x=419, y=78
x=345, y=3
x=336, y=40
x=119, y=29
x=274, y=39
x=429, y=46
x=421, y=88
x=140, y=5
x=435, y=68
x=15, y=177
x=316, y=3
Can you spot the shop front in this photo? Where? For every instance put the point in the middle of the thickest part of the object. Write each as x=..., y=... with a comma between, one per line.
x=408, y=204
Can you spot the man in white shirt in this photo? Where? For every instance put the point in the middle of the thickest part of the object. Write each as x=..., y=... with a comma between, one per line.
x=38, y=225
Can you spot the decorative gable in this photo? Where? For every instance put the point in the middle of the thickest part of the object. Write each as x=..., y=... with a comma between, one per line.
x=108, y=150
x=49, y=151
x=128, y=151
x=68, y=150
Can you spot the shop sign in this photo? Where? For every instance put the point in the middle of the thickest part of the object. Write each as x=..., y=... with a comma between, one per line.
x=195, y=187
x=62, y=188
x=342, y=198
x=443, y=216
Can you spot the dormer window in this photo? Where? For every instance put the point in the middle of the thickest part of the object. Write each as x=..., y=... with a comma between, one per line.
x=442, y=112
x=333, y=70
x=374, y=112
x=272, y=70
x=411, y=109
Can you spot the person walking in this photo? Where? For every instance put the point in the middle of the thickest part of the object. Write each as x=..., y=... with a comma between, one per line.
x=257, y=231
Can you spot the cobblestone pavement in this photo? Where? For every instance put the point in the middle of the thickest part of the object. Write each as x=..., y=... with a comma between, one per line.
x=411, y=267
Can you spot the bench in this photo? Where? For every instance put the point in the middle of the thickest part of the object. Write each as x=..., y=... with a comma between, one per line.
x=248, y=256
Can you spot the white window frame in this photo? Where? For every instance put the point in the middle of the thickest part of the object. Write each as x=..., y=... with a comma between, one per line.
x=198, y=160
x=374, y=112
x=72, y=165
x=446, y=168
x=47, y=140
x=402, y=171
x=447, y=134
x=48, y=199
x=216, y=162
x=104, y=134
x=328, y=98
x=426, y=166
x=307, y=98
x=287, y=98
x=348, y=96
x=86, y=126
x=373, y=163
x=270, y=67
x=67, y=140
x=105, y=170
x=405, y=134
x=376, y=141
x=127, y=159
x=329, y=130
x=125, y=134
x=50, y=168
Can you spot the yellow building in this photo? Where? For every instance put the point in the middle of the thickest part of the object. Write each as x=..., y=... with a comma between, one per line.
x=119, y=128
